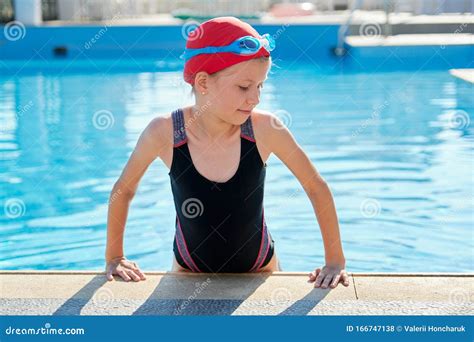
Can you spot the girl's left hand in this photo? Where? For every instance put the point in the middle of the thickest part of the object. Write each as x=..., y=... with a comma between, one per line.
x=329, y=276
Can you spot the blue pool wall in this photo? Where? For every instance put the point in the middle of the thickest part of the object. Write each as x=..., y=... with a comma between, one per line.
x=295, y=43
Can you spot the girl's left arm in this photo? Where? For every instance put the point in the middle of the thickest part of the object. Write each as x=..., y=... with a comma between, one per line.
x=278, y=139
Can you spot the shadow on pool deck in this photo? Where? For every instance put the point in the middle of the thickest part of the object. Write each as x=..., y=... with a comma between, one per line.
x=280, y=293
x=193, y=295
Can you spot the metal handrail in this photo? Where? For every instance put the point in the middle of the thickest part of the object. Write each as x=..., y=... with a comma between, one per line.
x=341, y=34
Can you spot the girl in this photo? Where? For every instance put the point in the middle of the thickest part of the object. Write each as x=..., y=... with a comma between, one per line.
x=216, y=151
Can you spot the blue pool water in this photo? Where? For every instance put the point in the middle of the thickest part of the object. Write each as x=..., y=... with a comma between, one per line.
x=396, y=149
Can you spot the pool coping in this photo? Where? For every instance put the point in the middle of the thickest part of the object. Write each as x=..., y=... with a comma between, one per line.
x=463, y=74
x=52, y=292
x=429, y=39
x=326, y=18
x=357, y=274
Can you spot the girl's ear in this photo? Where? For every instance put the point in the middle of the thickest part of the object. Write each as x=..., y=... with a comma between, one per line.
x=201, y=81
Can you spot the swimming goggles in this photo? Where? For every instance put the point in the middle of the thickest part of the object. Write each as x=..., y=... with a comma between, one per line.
x=246, y=46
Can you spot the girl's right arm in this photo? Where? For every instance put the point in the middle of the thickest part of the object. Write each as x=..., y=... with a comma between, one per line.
x=151, y=144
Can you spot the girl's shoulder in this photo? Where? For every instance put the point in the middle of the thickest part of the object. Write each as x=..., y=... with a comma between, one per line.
x=157, y=139
x=160, y=128
x=259, y=116
x=271, y=131
x=265, y=123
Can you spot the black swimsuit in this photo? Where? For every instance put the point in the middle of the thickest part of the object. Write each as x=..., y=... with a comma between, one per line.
x=220, y=227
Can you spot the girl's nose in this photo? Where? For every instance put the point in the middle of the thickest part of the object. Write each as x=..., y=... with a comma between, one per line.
x=254, y=98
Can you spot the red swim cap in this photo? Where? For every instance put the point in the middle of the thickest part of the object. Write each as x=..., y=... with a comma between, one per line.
x=218, y=32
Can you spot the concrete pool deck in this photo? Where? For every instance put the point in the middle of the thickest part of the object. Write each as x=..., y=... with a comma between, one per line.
x=411, y=40
x=418, y=23
x=278, y=293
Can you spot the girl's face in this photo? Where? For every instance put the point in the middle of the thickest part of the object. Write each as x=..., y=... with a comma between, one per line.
x=235, y=91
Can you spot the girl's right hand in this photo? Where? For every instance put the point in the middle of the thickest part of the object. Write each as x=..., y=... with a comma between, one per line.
x=124, y=268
